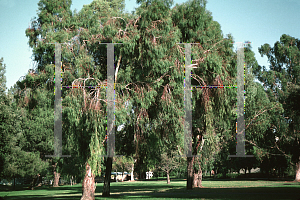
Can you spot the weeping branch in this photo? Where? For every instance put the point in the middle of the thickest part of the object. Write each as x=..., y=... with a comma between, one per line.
x=283, y=153
x=260, y=113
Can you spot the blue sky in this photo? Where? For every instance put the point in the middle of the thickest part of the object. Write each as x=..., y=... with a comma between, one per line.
x=259, y=21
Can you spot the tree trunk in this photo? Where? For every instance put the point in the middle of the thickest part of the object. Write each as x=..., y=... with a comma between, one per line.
x=297, y=178
x=132, y=169
x=33, y=182
x=189, y=185
x=168, y=177
x=88, y=185
x=14, y=183
x=197, y=181
x=106, y=186
x=142, y=174
x=56, y=179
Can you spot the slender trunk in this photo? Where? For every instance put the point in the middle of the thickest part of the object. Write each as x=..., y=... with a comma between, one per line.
x=297, y=178
x=56, y=179
x=132, y=169
x=106, y=186
x=168, y=177
x=14, y=183
x=88, y=185
x=33, y=182
x=142, y=175
x=189, y=185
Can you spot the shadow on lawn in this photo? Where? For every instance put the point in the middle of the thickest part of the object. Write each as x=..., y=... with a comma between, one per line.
x=44, y=187
x=271, y=193
x=150, y=190
x=39, y=197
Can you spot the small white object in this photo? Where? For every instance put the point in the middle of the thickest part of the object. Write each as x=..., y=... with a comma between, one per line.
x=149, y=175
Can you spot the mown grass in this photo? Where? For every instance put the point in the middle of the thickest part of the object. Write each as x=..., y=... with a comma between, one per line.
x=212, y=189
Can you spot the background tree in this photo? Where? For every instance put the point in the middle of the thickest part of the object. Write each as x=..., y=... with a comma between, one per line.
x=122, y=164
x=20, y=149
x=280, y=83
x=257, y=121
x=3, y=115
x=53, y=18
x=169, y=162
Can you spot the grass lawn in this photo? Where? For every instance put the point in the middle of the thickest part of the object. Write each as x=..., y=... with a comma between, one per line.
x=212, y=189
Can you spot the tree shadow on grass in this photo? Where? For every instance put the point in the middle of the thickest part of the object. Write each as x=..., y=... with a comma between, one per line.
x=43, y=192
x=41, y=197
x=249, y=179
x=152, y=191
x=250, y=193
x=175, y=190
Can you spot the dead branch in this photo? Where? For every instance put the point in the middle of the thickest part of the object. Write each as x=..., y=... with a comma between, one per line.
x=118, y=65
x=136, y=21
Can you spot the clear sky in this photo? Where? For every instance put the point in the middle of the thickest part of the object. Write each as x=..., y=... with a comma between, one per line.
x=259, y=21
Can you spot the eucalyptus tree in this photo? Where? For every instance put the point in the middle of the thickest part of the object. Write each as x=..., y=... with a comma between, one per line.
x=214, y=59
x=53, y=18
x=281, y=83
x=156, y=72
x=83, y=63
x=257, y=121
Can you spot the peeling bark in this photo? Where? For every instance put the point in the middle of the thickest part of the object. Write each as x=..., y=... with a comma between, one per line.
x=190, y=164
x=198, y=177
x=88, y=185
x=56, y=179
x=56, y=176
